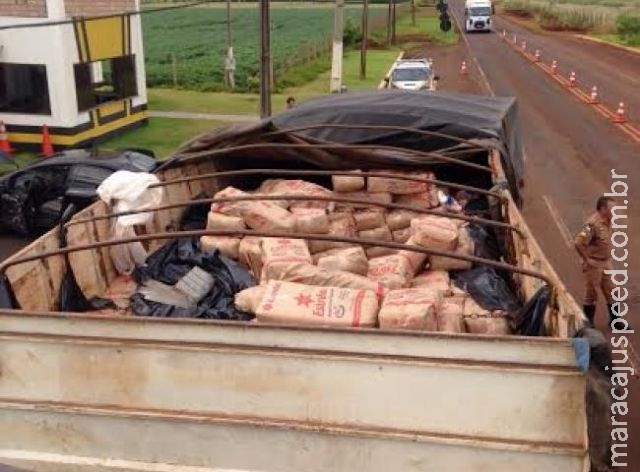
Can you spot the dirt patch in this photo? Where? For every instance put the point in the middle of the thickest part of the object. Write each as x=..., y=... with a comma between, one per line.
x=447, y=61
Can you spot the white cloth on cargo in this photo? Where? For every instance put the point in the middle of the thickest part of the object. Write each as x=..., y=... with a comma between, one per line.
x=129, y=191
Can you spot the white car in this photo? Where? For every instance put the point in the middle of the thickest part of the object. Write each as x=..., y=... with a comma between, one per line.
x=477, y=15
x=412, y=74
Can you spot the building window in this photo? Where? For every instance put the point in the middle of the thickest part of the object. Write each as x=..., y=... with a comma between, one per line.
x=105, y=81
x=24, y=89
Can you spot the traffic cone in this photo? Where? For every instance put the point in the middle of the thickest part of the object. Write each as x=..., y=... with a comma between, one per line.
x=537, y=56
x=593, y=99
x=5, y=145
x=554, y=67
x=619, y=116
x=572, y=79
x=515, y=39
x=463, y=68
x=524, y=45
x=504, y=33
x=47, y=147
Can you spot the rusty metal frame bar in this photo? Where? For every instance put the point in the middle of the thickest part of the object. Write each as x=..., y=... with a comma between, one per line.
x=291, y=172
x=381, y=128
x=184, y=157
x=313, y=198
x=274, y=234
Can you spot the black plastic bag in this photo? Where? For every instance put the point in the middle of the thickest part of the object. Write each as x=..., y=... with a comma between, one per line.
x=485, y=243
x=195, y=217
x=487, y=288
x=173, y=261
x=529, y=321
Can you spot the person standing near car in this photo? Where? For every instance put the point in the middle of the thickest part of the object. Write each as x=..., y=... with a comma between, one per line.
x=593, y=244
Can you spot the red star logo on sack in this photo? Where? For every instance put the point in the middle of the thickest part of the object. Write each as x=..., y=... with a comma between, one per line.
x=303, y=299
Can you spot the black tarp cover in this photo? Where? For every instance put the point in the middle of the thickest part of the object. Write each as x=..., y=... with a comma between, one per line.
x=485, y=120
x=461, y=115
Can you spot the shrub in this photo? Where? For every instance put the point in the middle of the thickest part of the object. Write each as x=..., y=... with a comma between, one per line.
x=628, y=26
x=351, y=34
x=521, y=8
x=567, y=20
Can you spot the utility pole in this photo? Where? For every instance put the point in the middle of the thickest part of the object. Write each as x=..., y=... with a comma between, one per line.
x=265, y=60
x=338, y=32
x=393, y=24
x=363, y=43
x=229, y=61
x=389, y=13
x=413, y=12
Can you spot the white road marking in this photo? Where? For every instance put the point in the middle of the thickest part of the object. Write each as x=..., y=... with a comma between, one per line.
x=555, y=214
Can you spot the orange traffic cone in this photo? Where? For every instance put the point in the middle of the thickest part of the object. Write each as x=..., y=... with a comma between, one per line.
x=5, y=145
x=537, y=56
x=593, y=99
x=463, y=68
x=554, y=67
x=619, y=116
x=47, y=147
x=572, y=79
x=524, y=45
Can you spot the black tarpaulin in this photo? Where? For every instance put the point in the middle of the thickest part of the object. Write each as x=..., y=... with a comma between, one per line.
x=461, y=115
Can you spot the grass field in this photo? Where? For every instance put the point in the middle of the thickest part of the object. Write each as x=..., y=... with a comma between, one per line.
x=598, y=17
x=161, y=135
x=378, y=62
x=196, y=37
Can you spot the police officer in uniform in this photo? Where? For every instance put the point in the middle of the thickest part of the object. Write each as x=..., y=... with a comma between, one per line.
x=593, y=243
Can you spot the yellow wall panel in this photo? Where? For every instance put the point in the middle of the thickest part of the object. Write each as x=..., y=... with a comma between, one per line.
x=105, y=37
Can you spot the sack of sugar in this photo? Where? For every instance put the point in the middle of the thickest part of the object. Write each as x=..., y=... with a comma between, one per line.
x=294, y=303
x=284, y=250
x=379, y=251
x=415, y=259
x=437, y=280
x=233, y=208
x=434, y=232
x=341, y=224
x=423, y=200
x=464, y=247
x=250, y=254
x=311, y=220
x=377, y=197
x=381, y=233
x=449, y=314
x=400, y=219
x=247, y=300
x=286, y=187
x=313, y=275
x=410, y=308
x=392, y=271
x=348, y=183
x=352, y=260
x=220, y=221
x=227, y=246
x=401, y=235
x=477, y=320
x=258, y=215
x=369, y=219
x=398, y=186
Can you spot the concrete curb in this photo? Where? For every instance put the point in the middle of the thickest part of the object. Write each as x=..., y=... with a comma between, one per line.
x=607, y=43
x=381, y=84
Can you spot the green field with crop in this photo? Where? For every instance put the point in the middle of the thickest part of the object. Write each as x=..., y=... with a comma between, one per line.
x=186, y=47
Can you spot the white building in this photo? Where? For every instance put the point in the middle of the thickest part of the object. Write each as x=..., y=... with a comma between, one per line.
x=85, y=80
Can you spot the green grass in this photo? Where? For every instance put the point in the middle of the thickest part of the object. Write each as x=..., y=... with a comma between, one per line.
x=617, y=39
x=378, y=63
x=197, y=39
x=161, y=135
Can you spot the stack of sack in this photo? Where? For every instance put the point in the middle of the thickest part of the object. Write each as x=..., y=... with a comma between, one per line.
x=310, y=281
